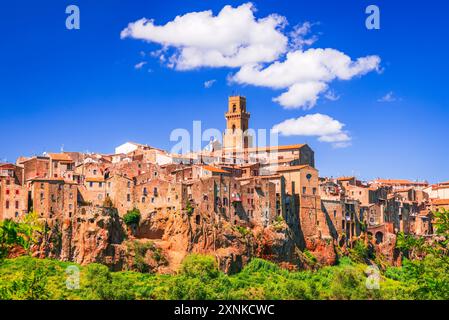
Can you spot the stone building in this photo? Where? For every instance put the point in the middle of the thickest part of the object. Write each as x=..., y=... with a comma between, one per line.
x=13, y=194
x=53, y=198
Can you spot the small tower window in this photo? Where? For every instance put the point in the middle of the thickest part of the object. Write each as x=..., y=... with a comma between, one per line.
x=234, y=108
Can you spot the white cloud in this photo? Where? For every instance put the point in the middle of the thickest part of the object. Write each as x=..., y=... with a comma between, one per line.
x=332, y=96
x=301, y=68
x=389, y=97
x=232, y=38
x=322, y=126
x=140, y=65
x=265, y=53
x=304, y=94
x=298, y=38
x=209, y=83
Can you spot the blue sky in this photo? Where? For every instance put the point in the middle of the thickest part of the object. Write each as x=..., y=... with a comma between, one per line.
x=80, y=88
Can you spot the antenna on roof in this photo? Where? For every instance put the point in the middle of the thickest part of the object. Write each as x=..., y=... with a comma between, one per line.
x=62, y=148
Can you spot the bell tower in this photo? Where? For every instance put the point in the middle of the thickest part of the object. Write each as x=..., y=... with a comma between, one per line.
x=237, y=123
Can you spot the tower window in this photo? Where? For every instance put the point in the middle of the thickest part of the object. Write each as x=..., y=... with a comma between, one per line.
x=234, y=108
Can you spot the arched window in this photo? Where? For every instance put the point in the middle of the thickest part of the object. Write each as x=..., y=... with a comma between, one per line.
x=379, y=237
x=234, y=108
x=233, y=128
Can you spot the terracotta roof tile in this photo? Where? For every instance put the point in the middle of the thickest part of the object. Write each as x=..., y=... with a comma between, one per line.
x=213, y=169
x=440, y=202
x=95, y=179
x=60, y=157
x=292, y=168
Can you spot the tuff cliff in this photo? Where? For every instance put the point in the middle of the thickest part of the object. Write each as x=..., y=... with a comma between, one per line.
x=161, y=240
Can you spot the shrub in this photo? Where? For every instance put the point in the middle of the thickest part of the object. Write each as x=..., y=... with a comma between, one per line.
x=132, y=217
x=200, y=266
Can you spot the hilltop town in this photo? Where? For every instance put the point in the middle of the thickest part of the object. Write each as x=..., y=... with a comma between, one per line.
x=233, y=201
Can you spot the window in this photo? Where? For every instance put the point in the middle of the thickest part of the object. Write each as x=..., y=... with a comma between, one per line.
x=143, y=199
x=314, y=190
x=128, y=197
x=17, y=192
x=42, y=186
x=152, y=200
x=145, y=191
x=95, y=172
x=91, y=184
x=42, y=196
x=335, y=213
x=8, y=182
x=304, y=190
x=234, y=108
x=7, y=192
x=100, y=184
x=70, y=206
x=155, y=191
x=129, y=184
x=7, y=204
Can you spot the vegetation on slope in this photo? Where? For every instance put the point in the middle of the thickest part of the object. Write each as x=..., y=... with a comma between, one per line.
x=426, y=277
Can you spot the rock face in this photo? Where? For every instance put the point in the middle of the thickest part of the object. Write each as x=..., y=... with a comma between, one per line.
x=95, y=235
x=388, y=249
x=161, y=241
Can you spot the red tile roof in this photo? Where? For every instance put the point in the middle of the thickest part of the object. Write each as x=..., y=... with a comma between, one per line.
x=292, y=168
x=95, y=179
x=440, y=202
x=214, y=169
x=60, y=157
x=400, y=182
x=345, y=178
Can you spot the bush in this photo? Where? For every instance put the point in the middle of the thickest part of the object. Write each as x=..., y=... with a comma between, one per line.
x=200, y=266
x=132, y=217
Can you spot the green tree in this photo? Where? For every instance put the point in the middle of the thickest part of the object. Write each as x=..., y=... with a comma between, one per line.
x=21, y=234
x=132, y=217
x=200, y=266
